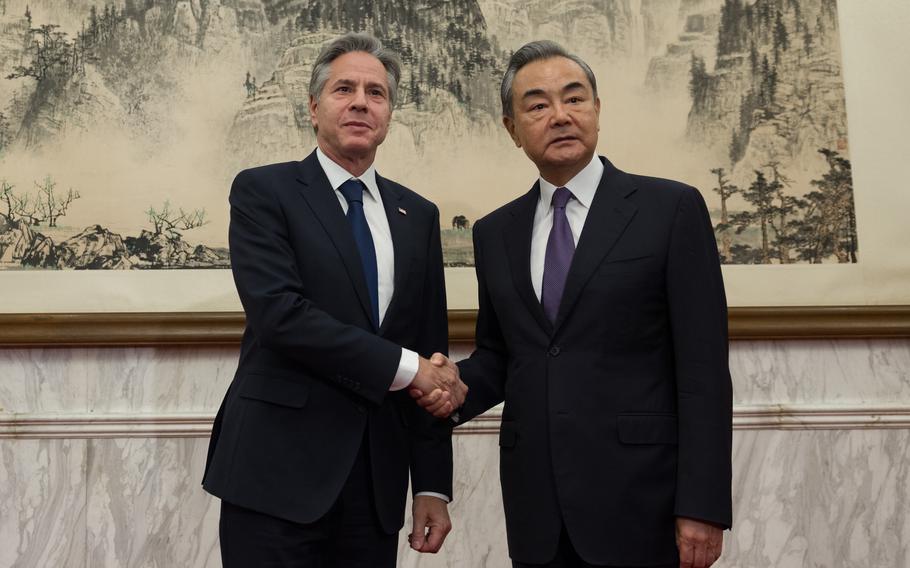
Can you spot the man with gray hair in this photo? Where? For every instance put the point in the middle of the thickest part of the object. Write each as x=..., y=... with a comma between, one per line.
x=602, y=325
x=339, y=271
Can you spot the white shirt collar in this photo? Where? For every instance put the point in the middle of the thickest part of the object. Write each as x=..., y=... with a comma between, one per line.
x=583, y=186
x=338, y=175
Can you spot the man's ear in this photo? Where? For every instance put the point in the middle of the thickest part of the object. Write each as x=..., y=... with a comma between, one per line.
x=313, y=104
x=509, y=123
x=597, y=110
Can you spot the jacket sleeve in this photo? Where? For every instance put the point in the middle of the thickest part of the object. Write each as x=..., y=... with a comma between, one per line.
x=485, y=370
x=430, y=438
x=698, y=319
x=277, y=310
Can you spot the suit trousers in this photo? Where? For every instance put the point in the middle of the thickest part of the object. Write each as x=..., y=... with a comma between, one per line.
x=348, y=536
x=567, y=557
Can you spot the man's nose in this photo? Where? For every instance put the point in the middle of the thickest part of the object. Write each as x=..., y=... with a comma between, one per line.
x=560, y=115
x=359, y=100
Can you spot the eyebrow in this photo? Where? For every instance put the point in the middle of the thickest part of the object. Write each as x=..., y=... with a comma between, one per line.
x=570, y=87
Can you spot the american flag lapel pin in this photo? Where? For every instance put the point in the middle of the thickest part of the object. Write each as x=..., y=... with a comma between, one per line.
x=402, y=210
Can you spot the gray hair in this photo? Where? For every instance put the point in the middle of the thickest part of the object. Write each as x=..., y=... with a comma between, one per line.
x=535, y=51
x=349, y=43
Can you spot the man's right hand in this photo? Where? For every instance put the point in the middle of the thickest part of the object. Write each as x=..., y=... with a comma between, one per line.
x=437, y=386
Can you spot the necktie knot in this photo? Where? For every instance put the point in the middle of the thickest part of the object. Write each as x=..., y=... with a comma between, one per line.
x=352, y=190
x=561, y=197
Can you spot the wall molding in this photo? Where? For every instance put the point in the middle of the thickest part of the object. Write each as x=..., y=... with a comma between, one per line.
x=226, y=328
x=199, y=425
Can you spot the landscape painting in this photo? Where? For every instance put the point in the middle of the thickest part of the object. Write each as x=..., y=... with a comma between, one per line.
x=123, y=123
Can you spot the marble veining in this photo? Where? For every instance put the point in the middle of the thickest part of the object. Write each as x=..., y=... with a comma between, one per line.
x=823, y=498
x=115, y=380
x=802, y=498
x=197, y=380
x=146, y=506
x=98, y=380
x=43, y=380
x=843, y=372
x=42, y=503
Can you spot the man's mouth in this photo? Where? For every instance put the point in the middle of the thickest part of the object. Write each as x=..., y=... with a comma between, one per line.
x=357, y=124
x=563, y=139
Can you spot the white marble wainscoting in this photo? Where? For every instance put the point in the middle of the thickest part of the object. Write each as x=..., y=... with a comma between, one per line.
x=145, y=505
x=824, y=498
x=102, y=450
x=42, y=503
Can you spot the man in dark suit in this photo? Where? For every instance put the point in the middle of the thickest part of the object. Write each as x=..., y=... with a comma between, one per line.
x=340, y=274
x=602, y=325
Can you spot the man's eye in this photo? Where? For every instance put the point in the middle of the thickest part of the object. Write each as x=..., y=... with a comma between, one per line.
x=575, y=99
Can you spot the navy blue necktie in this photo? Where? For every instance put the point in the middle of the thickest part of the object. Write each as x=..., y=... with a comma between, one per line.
x=558, y=259
x=353, y=192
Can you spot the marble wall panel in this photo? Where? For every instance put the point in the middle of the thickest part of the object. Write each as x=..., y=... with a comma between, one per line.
x=832, y=499
x=813, y=499
x=842, y=372
x=46, y=380
x=193, y=379
x=197, y=379
x=145, y=505
x=42, y=503
x=821, y=498
x=115, y=380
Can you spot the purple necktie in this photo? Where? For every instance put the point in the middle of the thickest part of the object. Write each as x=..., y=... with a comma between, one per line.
x=560, y=249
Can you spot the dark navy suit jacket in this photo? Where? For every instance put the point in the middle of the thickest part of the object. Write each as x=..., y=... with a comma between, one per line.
x=617, y=418
x=313, y=374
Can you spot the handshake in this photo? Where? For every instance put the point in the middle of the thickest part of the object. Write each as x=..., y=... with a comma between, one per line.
x=437, y=387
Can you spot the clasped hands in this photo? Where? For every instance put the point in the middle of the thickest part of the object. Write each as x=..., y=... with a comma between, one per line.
x=437, y=387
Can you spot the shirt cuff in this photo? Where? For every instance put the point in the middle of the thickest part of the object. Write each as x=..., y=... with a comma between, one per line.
x=407, y=370
x=445, y=498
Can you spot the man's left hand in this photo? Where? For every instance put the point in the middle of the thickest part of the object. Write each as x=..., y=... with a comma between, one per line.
x=431, y=523
x=699, y=543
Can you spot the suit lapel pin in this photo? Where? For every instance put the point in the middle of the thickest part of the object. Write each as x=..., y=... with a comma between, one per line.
x=402, y=210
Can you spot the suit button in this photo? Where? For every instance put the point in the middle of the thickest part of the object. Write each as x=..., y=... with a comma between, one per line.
x=554, y=351
x=361, y=409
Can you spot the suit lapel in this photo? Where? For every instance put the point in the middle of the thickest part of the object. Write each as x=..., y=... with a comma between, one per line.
x=321, y=198
x=518, y=246
x=610, y=213
x=401, y=241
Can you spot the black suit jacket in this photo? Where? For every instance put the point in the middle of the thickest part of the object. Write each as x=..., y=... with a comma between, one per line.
x=313, y=374
x=617, y=418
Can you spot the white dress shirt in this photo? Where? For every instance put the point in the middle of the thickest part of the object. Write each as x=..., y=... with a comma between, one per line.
x=583, y=187
x=374, y=211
